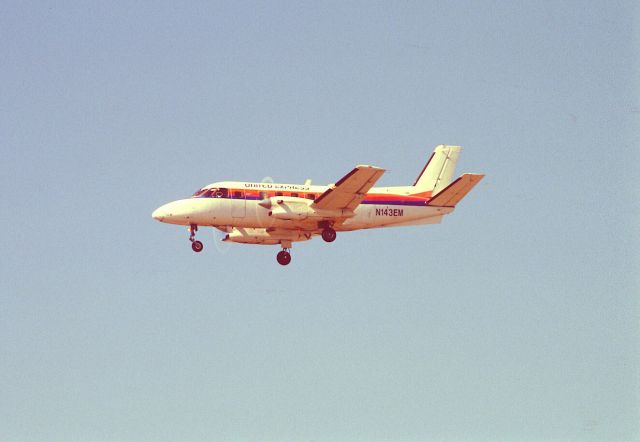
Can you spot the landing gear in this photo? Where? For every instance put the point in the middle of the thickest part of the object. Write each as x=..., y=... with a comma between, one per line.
x=196, y=246
x=283, y=257
x=329, y=235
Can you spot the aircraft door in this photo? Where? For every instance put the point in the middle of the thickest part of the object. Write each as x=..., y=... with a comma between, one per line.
x=238, y=204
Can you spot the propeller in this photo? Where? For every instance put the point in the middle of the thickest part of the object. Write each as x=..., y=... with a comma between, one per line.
x=219, y=235
x=265, y=201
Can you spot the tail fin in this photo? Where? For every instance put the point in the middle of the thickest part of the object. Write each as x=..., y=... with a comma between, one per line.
x=454, y=192
x=438, y=172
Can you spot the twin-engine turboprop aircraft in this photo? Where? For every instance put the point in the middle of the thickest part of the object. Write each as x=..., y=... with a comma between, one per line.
x=268, y=213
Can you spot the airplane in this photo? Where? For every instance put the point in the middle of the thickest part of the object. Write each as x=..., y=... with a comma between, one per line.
x=281, y=214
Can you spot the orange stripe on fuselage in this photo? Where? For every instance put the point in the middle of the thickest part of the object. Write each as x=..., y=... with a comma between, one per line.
x=422, y=194
x=370, y=197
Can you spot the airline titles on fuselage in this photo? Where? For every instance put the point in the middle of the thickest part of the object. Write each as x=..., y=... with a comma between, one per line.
x=276, y=186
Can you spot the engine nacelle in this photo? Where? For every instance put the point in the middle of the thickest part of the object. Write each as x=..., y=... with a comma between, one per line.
x=290, y=208
x=246, y=235
x=298, y=209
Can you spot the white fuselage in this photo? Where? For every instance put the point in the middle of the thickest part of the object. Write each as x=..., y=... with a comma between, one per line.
x=241, y=204
x=270, y=213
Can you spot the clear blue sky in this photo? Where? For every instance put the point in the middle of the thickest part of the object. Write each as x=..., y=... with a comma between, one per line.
x=516, y=319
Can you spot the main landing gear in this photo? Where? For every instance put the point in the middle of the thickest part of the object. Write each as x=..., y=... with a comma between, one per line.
x=329, y=235
x=283, y=257
x=196, y=246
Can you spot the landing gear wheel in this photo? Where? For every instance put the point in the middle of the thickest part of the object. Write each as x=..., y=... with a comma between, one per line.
x=197, y=246
x=283, y=257
x=329, y=235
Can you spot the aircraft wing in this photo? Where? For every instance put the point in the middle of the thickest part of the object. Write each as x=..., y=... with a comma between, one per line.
x=350, y=190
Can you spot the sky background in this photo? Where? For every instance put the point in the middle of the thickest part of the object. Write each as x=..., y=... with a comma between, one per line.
x=515, y=320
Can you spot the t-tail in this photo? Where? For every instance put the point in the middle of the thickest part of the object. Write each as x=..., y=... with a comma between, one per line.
x=436, y=179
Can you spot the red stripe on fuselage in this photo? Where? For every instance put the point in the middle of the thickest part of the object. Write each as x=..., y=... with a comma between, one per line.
x=371, y=198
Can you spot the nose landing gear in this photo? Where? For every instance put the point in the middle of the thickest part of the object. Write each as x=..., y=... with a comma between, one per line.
x=196, y=246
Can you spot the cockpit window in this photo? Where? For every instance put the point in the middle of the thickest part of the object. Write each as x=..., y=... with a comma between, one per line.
x=220, y=193
x=199, y=192
x=203, y=193
x=212, y=193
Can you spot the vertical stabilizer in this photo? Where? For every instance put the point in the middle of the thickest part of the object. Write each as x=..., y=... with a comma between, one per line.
x=438, y=172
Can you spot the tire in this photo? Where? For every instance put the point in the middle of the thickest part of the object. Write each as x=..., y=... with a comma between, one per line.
x=283, y=257
x=329, y=235
x=197, y=246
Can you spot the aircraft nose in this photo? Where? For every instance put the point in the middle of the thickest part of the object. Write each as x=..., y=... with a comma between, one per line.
x=181, y=212
x=158, y=214
x=164, y=212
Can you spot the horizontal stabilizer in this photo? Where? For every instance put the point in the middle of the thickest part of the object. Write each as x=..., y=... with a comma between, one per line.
x=454, y=192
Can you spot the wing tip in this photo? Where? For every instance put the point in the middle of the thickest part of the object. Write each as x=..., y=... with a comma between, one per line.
x=368, y=166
